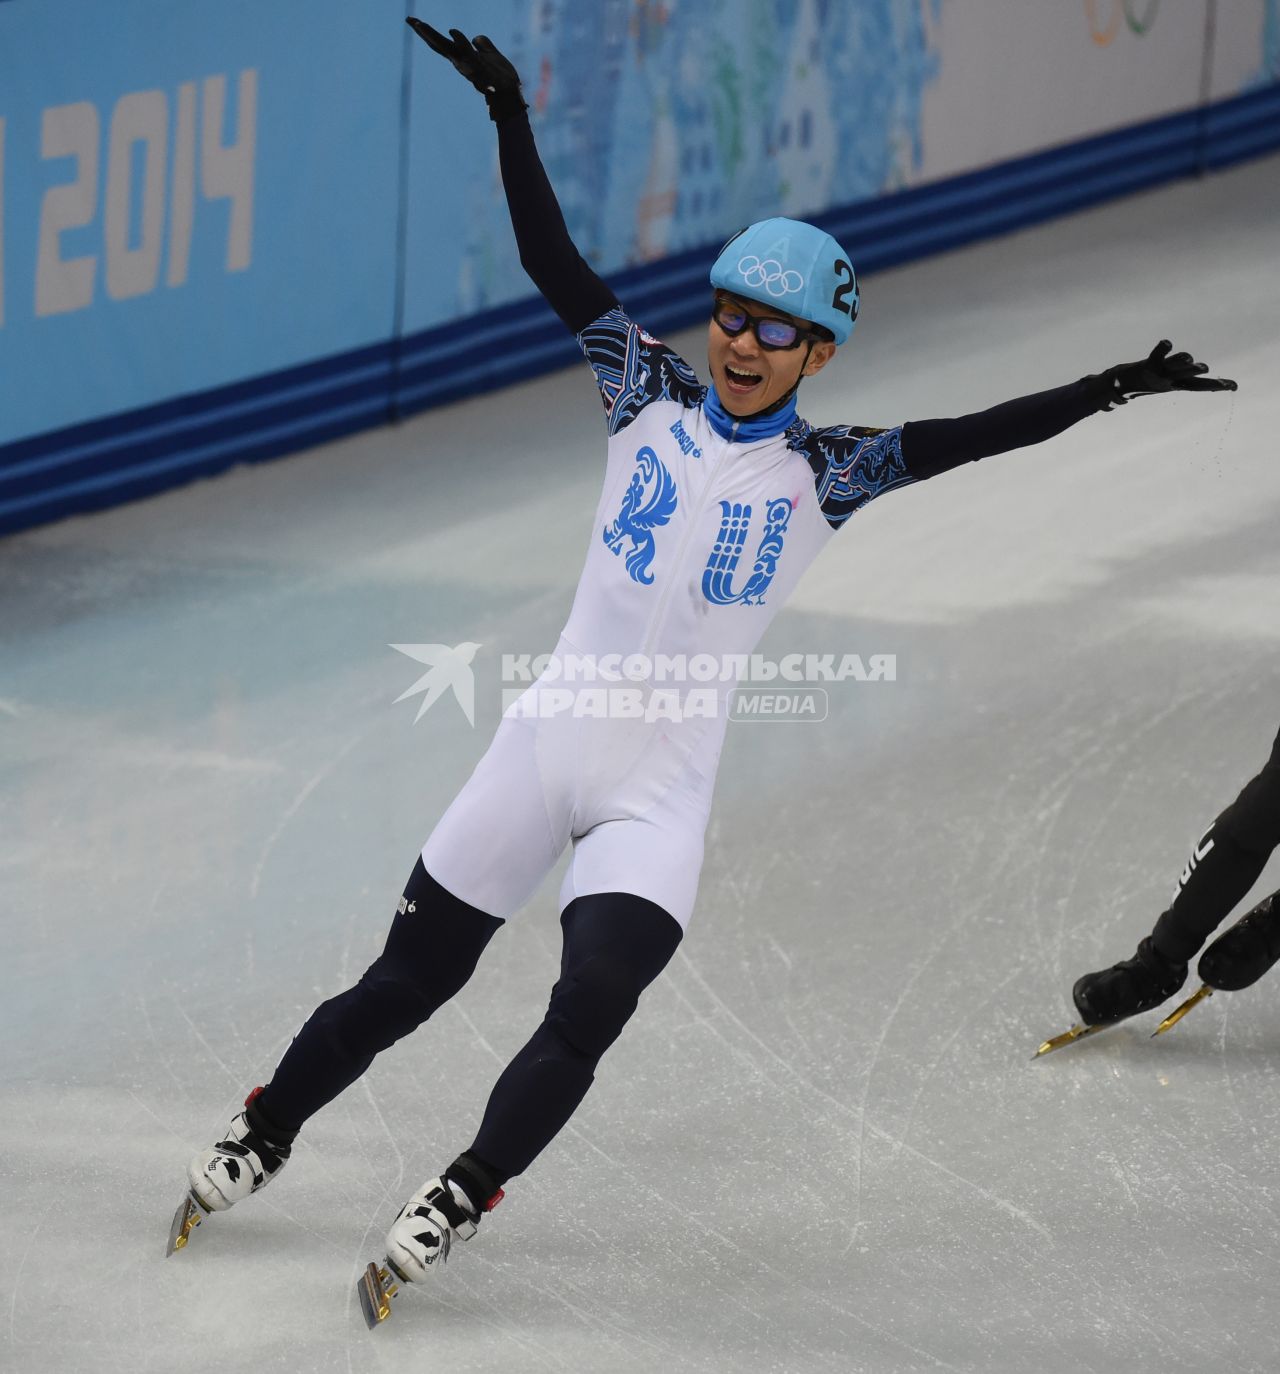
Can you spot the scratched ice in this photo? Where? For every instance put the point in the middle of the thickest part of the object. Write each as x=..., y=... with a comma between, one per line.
x=823, y=1144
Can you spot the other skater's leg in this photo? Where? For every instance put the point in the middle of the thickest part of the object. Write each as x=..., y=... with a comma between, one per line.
x=1241, y=955
x=615, y=945
x=1217, y=875
x=1237, y=958
x=1224, y=865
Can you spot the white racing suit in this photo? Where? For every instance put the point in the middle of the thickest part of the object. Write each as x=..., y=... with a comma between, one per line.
x=705, y=525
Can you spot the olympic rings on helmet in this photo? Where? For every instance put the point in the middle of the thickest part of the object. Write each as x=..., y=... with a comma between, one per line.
x=770, y=274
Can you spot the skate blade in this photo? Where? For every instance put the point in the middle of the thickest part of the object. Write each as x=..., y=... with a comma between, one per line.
x=375, y=1289
x=1175, y=1016
x=1069, y=1037
x=185, y=1220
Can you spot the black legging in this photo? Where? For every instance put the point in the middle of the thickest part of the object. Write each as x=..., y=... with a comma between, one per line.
x=615, y=945
x=1238, y=845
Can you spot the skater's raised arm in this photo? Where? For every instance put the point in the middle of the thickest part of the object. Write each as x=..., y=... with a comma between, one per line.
x=547, y=253
x=933, y=446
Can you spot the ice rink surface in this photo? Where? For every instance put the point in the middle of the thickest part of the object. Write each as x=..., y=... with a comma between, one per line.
x=822, y=1144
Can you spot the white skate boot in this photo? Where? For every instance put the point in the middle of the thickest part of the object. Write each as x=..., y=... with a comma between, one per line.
x=243, y=1161
x=438, y=1215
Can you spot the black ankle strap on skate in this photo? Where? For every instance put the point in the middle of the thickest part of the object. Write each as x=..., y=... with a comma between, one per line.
x=481, y=1184
x=459, y=1219
x=275, y=1137
x=251, y=1146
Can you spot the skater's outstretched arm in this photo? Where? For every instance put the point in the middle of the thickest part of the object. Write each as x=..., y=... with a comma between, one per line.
x=933, y=446
x=547, y=253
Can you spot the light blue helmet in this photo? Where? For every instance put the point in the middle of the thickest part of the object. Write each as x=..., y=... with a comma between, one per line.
x=794, y=267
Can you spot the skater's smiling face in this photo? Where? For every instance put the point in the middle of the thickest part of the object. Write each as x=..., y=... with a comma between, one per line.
x=758, y=355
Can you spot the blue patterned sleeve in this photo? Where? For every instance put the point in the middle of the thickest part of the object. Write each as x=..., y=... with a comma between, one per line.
x=633, y=369
x=851, y=466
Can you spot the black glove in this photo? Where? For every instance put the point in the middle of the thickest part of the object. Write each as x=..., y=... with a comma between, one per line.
x=1158, y=371
x=482, y=64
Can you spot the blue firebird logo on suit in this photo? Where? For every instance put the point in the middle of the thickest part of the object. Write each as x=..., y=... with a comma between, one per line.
x=722, y=563
x=650, y=501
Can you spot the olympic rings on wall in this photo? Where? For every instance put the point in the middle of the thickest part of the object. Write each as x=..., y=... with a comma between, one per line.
x=1103, y=35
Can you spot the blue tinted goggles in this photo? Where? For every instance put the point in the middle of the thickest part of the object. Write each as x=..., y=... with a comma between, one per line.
x=770, y=331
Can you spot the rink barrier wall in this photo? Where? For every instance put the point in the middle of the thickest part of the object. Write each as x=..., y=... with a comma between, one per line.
x=102, y=462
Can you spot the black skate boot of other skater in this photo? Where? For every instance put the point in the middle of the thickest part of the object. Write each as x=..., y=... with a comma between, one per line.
x=1241, y=955
x=1116, y=993
x=1237, y=958
x=1127, y=988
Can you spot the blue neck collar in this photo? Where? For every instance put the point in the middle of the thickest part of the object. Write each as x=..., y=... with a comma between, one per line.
x=752, y=428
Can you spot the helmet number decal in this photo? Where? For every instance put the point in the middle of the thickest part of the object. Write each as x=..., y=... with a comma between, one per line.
x=840, y=301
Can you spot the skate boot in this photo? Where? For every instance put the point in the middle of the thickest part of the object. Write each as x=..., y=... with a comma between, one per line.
x=1116, y=993
x=1237, y=958
x=442, y=1212
x=248, y=1157
x=1128, y=988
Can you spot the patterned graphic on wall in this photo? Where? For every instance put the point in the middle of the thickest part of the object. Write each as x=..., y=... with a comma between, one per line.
x=667, y=125
x=1270, y=70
